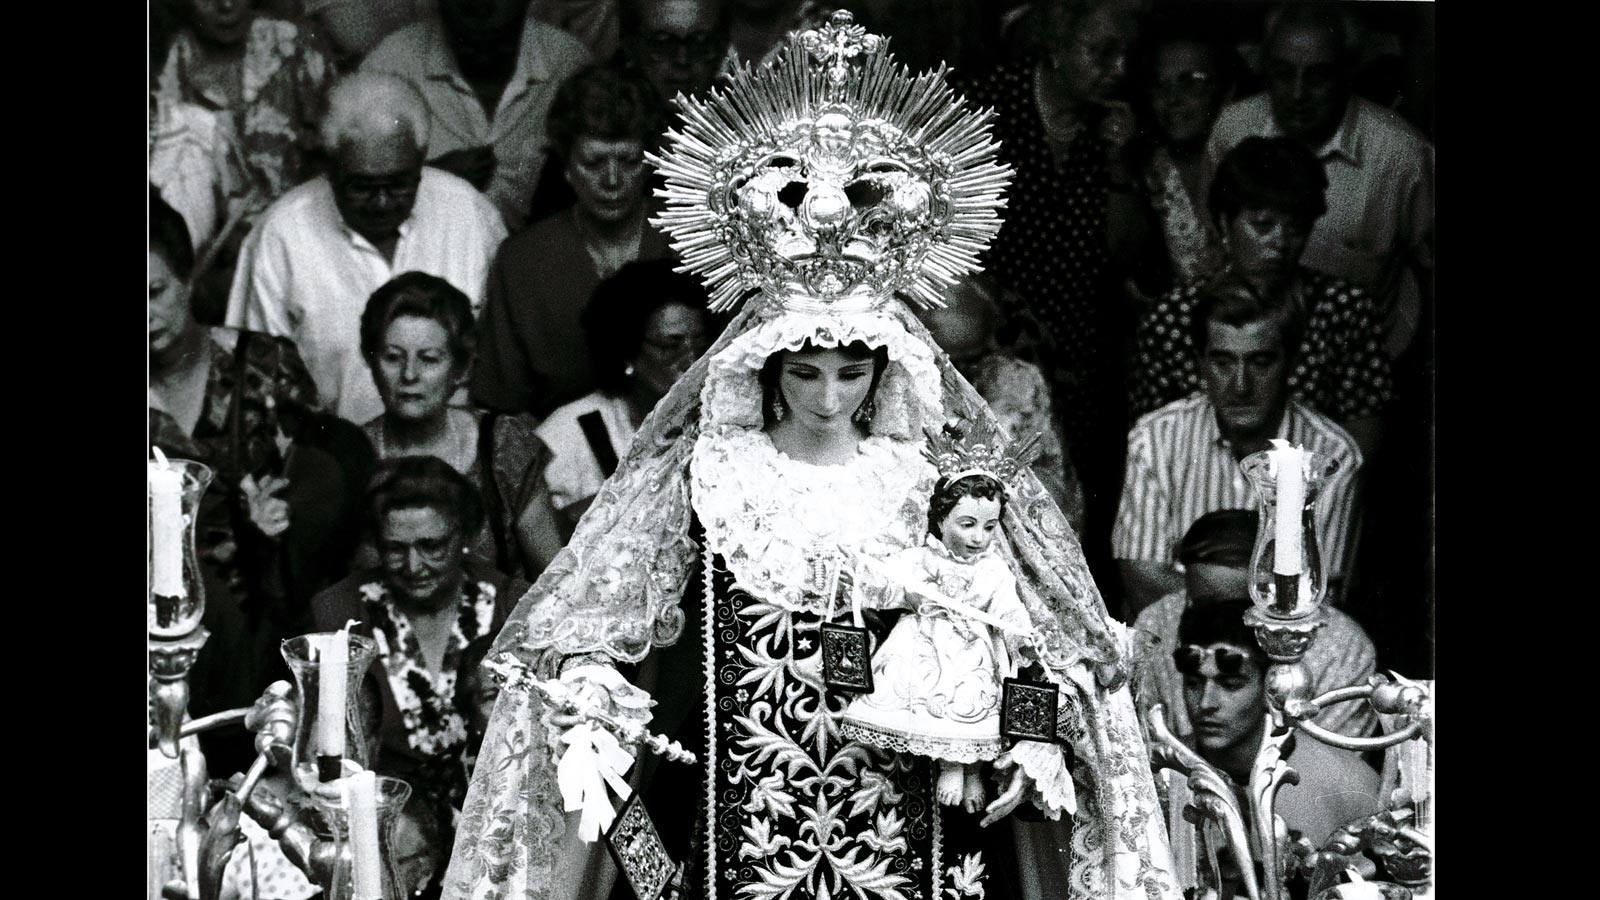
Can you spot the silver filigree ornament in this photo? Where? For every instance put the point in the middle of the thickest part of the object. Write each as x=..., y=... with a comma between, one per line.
x=831, y=180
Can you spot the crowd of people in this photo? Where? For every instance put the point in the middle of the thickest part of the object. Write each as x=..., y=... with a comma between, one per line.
x=407, y=302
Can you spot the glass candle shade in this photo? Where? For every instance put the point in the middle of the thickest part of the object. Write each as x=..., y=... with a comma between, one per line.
x=176, y=599
x=1287, y=585
x=304, y=656
x=337, y=876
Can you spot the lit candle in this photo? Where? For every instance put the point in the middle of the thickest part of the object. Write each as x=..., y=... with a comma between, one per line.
x=166, y=528
x=332, y=673
x=1288, y=469
x=361, y=799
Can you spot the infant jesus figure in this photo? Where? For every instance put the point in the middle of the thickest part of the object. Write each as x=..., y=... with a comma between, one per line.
x=939, y=675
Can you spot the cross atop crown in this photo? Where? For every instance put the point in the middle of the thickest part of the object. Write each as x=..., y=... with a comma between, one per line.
x=836, y=45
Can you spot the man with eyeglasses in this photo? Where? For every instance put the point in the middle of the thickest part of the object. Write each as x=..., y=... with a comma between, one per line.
x=1224, y=693
x=1215, y=557
x=488, y=71
x=1378, y=230
x=677, y=45
x=316, y=255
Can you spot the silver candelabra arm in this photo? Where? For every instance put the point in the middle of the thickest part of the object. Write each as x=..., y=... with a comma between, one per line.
x=1386, y=696
x=1389, y=836
x=1213, y=794
x=1269, y=773
x=516, y=675
x=1405, y=848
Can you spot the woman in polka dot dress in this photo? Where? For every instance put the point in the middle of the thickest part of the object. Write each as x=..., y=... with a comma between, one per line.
x=1064, y=135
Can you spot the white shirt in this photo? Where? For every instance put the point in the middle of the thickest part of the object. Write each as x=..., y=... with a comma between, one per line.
x=1380, y=202
x=573, y=474
x=303, y=274
x=195, y=165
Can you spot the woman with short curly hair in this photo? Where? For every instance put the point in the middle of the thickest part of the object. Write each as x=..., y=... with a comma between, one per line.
x=418, y=338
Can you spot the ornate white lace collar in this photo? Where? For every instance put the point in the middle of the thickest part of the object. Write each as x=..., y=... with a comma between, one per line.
x=769, y=516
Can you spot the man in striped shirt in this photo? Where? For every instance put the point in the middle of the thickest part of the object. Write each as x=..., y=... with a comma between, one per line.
x=1183, y=459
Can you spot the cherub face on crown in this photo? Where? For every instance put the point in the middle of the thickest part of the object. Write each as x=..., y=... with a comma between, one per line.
x=838, y=200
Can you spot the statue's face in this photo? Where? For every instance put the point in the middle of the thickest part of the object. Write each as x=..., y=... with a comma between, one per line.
x=970, y=526
x=837, y=201
x=822, y=389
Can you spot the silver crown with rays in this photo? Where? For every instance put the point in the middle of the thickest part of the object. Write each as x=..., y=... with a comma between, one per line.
x=832, y=179
x=966, y=448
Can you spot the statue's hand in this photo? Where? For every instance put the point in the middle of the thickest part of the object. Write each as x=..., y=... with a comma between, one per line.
x=599, y=687
x=1016, y=791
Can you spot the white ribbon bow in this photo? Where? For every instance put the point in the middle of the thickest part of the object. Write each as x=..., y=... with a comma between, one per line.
x=592, y=760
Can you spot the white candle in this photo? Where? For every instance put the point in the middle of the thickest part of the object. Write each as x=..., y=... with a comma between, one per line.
x=1288, y=464
x=166, y=528
x=361, y=799
x=333, y=672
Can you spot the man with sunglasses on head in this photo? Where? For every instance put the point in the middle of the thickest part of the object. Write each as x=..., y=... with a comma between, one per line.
x=1215, y=557
x=1224, y=693
x=319, y=252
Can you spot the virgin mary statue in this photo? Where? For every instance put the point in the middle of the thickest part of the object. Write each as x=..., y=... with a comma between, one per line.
x=827, y=192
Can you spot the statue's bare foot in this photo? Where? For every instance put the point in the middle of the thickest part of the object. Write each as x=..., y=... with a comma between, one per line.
x=949, y=790
x=972, y=793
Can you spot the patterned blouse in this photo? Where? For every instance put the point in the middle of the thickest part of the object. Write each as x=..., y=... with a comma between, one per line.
x=285, y=83
x=237, y=434
x=1052, y=250
x=1341, y=370
x=434, y=727
x=1193, y=249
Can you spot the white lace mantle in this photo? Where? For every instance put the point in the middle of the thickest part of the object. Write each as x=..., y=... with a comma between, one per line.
x=766, y=513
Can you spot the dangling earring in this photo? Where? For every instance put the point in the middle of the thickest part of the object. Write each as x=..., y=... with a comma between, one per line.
x=865, y=412
x=779, y=408
x=627, y=370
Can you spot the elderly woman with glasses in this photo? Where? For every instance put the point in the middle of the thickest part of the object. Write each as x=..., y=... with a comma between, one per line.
x=645, y=326
x=424, y=603
x=1188, y=75
x=1065, y=128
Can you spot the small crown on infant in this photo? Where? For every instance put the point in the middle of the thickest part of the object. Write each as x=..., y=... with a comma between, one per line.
x=960, y=449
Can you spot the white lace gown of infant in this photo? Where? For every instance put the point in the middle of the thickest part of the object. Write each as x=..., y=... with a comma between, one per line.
x=938, y=675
